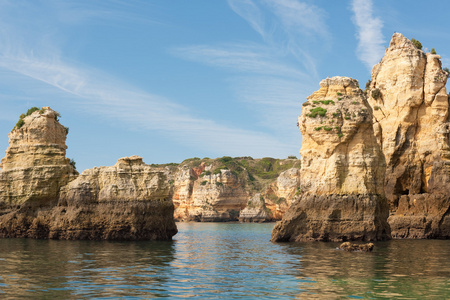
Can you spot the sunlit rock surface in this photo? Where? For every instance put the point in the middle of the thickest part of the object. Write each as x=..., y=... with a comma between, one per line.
x=341, y=179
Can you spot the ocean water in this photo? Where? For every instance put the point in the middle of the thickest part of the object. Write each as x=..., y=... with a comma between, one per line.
x=222, y=261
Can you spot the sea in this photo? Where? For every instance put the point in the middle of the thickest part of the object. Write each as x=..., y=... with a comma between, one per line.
x=222, y=261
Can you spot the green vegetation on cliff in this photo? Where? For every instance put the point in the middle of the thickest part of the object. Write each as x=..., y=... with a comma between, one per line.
x=31, y=110
x=256, y=172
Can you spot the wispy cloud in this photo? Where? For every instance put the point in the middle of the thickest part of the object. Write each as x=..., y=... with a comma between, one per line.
x=119, y=101
x=300, y=17
x=249, y=11
x=249, y=58
x=371, y=40
x=290, y=27
x=276, y=100
x=272, y=77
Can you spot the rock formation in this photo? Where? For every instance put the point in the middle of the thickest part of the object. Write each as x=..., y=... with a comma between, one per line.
x=407, y=102
x=222, y=188
x=41, y=195
x=282, y=192
x=35, y=165
x=342, y=170
x=411, y=122
x=255, y=211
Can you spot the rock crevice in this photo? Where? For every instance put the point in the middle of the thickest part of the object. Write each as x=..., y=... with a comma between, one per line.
x=42, y=196
x=400, y=161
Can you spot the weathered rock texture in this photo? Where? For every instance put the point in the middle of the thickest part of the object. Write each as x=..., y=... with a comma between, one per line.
x=405, y=158
x=35, y=165
x=342, y=170
x=41, y=195
x=214, y=190
x=411, y=122
x=255, y=211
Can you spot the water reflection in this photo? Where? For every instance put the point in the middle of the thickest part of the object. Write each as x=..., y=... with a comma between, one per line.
x=222, y=260
x=403, y=269
x=72, y=269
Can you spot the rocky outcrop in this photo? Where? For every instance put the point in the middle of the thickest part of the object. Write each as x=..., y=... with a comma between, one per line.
x=35, y=165
x=255, y=211
x=41, y=195
x=411, y=122
x=281, y=193
x=226, y=186
x=341, y=182
x=348, y=176
x=218, y=197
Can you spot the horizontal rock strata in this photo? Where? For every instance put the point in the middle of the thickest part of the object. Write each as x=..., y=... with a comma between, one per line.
x=42, y=196
x=411, y=111
x=342, y=170
x=223, y=189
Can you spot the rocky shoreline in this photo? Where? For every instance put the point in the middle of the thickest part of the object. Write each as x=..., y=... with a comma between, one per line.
x=375, y=165
x=43, y=196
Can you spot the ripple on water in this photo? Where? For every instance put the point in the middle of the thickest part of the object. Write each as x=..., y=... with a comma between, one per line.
x=222, y=260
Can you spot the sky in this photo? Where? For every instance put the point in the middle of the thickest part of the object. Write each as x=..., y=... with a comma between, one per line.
x=173, y=79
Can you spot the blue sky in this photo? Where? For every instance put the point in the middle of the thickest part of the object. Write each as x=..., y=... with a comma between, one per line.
x=169, y=80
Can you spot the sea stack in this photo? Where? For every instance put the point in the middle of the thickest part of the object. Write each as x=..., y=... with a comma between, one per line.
x=411, y=123
x=400, y=164
x=42, y=196
x=35, y=166
x=342, y=173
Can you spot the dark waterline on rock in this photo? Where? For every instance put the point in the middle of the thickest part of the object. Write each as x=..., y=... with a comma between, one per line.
x=222, y=260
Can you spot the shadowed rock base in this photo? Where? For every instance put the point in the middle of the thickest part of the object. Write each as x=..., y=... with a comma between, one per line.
x=421, y=216
x=334, y=218
x=114, y=220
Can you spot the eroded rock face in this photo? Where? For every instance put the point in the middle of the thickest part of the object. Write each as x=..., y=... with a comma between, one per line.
x=130, y=200
x=255, y=211
x=281, y=193
x=342, y=170
x=42, y=197
x=210, y=198
x=35, y=165
x=218, y=197
x=208, y=193
x=410, y=104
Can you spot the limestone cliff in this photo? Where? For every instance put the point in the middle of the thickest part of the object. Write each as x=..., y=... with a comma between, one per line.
x=342, y=170
x=411, y=122
x=255, y=211
x=35, y=165
x=282, y=192
x=41, y=195
x=220, y=189
x=130, y=200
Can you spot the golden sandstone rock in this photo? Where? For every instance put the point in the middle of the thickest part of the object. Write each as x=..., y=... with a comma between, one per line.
x=342, y=170
x=351, y=172
x=42, y=195
x=129, y=200
x=35, y=165
x=222, y=195
x=411, y=121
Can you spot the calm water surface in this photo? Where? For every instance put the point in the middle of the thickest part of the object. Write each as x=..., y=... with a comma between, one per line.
x=222, y=260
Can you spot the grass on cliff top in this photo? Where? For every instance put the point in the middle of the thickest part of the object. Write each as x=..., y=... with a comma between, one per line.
x=31, y=110
x=255, y=171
